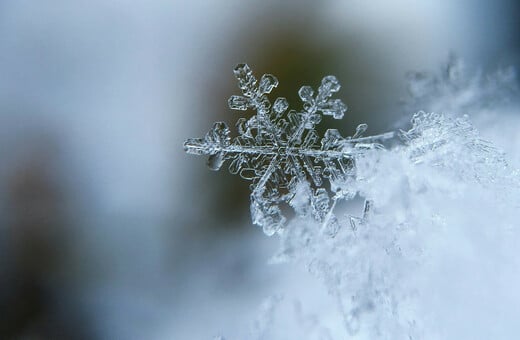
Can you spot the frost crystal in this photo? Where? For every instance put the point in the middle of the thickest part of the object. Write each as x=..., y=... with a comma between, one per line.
x=439, y=251
x=281, y=153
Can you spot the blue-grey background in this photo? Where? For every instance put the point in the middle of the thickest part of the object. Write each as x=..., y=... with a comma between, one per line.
x=107, y=229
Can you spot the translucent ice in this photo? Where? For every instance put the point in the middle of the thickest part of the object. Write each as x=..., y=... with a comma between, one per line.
x=281, y=151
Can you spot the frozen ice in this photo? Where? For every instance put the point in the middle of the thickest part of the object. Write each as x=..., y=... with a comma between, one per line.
x=432, y=254
x=279, y=152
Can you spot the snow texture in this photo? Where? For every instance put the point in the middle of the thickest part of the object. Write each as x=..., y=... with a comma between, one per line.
x=435, y=255
x=456, y=89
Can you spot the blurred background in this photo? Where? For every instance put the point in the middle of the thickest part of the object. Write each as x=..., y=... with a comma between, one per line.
x=107, y=228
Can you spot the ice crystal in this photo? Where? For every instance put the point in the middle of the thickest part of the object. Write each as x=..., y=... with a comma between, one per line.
x=437, y=252
x=432, y=136
x=491, y=97
x=279, y=150
x=426, y=193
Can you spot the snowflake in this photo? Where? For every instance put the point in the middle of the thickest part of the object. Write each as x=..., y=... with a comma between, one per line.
x=281, y=153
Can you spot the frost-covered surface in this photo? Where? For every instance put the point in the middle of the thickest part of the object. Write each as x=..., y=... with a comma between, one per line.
x=441, y=237
x=492, y=99
x=435, y=256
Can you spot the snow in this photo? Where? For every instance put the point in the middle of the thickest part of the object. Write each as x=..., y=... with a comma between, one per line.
x=435, y=255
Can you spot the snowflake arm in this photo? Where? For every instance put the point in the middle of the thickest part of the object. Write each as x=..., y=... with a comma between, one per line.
x=279, y=150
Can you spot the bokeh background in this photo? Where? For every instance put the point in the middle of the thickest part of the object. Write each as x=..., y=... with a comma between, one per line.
x=107, y=229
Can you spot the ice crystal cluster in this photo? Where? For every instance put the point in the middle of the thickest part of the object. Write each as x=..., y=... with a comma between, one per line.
x=439, y=201
x=280, y=152
x=435, y=254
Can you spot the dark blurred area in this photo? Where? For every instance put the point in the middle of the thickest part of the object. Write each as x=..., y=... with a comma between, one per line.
x=107, y=229
x=34, y=234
